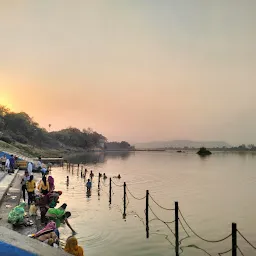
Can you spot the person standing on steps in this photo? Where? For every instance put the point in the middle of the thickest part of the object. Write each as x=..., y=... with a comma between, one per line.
x=3, y=161
x=7, y=165
x=39, y=164
x=30, y=168
x=24, y=180
x=12, y=164
x=31, y=185
x=43, y=186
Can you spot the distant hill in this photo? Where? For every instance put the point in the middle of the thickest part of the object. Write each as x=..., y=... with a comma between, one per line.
x=181, y=144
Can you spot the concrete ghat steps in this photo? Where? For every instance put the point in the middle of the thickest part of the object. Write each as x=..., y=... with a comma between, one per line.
x=28, y=244
x=5, y=184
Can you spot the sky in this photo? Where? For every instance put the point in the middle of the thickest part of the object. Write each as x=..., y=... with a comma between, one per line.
x=135, y=70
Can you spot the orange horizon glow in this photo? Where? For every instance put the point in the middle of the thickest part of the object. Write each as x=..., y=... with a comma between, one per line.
x=133, y=71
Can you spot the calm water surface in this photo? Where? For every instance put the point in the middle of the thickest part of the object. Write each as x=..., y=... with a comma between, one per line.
x=212, y=193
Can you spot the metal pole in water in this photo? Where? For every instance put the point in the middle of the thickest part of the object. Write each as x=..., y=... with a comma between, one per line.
x=146, y=212
x=234, y=239
x=110, y=190
x=177, y=228
x=124, y=215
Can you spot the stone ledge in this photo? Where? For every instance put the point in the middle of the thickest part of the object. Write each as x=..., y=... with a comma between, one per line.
x=28, y=244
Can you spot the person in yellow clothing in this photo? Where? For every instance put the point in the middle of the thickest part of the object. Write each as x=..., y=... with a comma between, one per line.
x=31, y=185
x=43, y=186
x=73, y=248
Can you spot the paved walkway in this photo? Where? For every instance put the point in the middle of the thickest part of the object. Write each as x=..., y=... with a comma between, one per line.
x=11, y=199
x=2, y=174
x=5, y=184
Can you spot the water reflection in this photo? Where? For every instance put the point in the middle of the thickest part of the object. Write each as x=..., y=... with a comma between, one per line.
x=88, y=194
x=97, y=157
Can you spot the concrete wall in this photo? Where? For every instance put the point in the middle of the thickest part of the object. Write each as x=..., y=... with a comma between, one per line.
x=29, y=244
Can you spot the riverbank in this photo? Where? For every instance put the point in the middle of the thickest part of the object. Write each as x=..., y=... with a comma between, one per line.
x=10, y=196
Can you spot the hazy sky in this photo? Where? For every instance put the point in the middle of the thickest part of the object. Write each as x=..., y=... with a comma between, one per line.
x=138, y=70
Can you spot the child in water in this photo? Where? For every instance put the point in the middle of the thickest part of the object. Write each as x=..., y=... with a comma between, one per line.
x=89, y=185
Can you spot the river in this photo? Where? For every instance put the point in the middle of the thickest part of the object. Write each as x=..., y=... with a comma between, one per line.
x=212, y=193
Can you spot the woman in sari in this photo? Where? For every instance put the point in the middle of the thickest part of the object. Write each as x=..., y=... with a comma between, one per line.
x=59, y=216
x=47, y=233
x=51, y=183
x=43, y=186
x=73, y=248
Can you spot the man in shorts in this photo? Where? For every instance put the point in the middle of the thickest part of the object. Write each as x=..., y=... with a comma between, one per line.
x=3, y=161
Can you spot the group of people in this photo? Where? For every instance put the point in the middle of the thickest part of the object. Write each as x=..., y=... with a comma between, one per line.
x=46, y=200
x=89, y=181
x=8, y=163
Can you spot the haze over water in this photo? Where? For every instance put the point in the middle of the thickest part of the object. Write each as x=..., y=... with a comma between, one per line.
x=212, y=193
x=133, y=70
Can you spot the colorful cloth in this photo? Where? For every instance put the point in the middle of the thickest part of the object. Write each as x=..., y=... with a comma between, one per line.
x=73, y=248
x=50, y=227
x=16, y=215
x=31, y=186
x=56, y=215
x=51, y=183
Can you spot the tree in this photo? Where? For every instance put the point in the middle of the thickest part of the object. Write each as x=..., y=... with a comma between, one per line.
x=242, y=146
x=251, y=146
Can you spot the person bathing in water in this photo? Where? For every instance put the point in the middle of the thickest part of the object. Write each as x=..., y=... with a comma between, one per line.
x=104, y=176
x=91, y=174
x=67, y=180
x=117, y=177
x=59, y=216
x=89, y=186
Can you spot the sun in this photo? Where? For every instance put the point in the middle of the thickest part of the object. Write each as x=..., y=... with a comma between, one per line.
x=5, y=101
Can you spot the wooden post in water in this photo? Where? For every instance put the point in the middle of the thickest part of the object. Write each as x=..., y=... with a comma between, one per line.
x=146, y=212
x=99, y=181
x=124, y=215
x=234, y=240
x=177, y=228
x=110, y=190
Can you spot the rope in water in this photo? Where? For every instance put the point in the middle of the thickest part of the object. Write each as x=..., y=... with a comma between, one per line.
x=167, y=209
x=246, y=240
x=206, y=240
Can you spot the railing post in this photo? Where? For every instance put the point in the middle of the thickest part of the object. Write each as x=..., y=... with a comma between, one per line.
x=146, y=212
x=177, y=228
x=234, y=240
x=124, y=215
x=110, y=190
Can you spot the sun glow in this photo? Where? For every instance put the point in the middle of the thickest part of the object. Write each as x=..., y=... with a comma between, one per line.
x=5, y=101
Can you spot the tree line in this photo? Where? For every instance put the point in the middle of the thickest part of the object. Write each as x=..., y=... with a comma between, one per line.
x=21, y=128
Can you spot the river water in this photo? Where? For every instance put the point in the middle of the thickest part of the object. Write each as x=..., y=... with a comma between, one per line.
x=212, y=193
